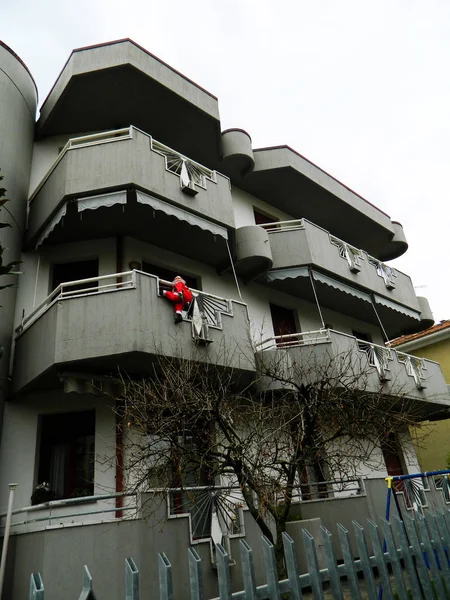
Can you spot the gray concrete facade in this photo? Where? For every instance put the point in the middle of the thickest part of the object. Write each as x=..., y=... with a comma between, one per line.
x=168, y=209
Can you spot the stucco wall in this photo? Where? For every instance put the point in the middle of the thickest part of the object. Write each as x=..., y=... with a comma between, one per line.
x=243, y=204
x=34, y=284
x=19, y=456
x=433, y=446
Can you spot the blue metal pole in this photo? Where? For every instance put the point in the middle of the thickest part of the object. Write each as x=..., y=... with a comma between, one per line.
x=387, y=513
x=415, y=475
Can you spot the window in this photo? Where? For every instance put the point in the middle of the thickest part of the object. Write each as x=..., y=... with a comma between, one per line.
x=283, y=321
x=73, y=271
x=364, y=337
x=67, y=454
x=263, y=219
x=392, y=455
x=313, y=481
x=169, y=275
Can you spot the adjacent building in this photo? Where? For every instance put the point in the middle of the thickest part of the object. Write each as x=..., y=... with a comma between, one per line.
x=433, y=449
x=126, y=180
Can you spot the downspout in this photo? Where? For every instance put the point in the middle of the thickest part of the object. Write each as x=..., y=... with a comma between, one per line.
x=119, y=462
x=12, y=487
x=119, y=258
x=119, y=424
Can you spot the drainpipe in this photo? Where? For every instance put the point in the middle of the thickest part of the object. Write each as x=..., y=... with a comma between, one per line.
x=119, y=258
x=119, y=465
x=12, y=487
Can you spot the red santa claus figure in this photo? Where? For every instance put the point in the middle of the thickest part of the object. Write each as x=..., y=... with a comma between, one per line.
x=180, y=295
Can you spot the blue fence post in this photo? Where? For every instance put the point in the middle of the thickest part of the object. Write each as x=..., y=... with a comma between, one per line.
x=195, y=575
x=165, y=577
x=87, y=593
x=248, y=571
x=364, y=557
x=292, y=568
x=422, y=569
x=223, y=570
x=395, y=560
x=270, y=564
x=399, y=528
x=432, y=558
x=131, y=580
x=36, y=587
x=313, y=564
x=349, y=561
x=330, y=557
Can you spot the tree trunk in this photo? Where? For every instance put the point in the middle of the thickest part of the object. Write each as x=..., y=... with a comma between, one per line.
x=279, y=549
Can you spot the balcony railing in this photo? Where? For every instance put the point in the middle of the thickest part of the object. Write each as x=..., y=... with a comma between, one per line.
x=205, y=311
x=53, y=513
x=352, y=255
x=190, y=172
x=379, y=357
x=415, y=367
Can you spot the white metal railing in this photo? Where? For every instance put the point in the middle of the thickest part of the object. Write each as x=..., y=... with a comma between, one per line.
x=189, y=171
x=94, y=139
x=321, y=490
x=213, y=511
x=44, y=513
x=210, y=307
x=354, y=256
x=387, y=273
x=281, y=226
x=379, y=357
x=414, y=367
x=63, y=291
x=291, y=340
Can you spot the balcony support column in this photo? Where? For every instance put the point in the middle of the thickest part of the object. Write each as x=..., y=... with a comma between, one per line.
x=234, y=270
x=386, y=338
x=316, y=298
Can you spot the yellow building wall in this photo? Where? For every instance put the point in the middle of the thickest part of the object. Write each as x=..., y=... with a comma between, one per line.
x=433, y=442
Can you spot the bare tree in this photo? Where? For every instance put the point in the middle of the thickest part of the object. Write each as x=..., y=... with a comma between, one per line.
x=307, y=411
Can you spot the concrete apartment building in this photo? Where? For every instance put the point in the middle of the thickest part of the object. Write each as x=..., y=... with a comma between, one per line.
x=126, y=178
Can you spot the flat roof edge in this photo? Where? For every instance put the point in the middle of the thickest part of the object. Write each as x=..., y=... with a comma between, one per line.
x=121, y=41
x=287, y=147
x=17, y=57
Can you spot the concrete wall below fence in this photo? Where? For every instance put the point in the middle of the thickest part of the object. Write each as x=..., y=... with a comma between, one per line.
x=59, y=553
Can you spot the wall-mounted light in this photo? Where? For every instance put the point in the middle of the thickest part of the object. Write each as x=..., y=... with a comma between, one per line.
x=134, y=265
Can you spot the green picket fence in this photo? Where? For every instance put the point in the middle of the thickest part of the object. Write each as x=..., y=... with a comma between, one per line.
x=414, y=565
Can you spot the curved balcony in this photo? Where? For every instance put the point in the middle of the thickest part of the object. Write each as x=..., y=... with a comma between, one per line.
x=346, y=278
x=124, y=322
x=138, y=187
x=372, y=368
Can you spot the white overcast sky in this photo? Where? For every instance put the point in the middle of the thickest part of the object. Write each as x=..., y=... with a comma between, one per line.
x=360, y=88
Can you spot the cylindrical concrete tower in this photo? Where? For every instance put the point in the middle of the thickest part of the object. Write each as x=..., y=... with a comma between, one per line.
x=18, y=101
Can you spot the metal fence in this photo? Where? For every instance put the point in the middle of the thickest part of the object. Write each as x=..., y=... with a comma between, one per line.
x=412, y=562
